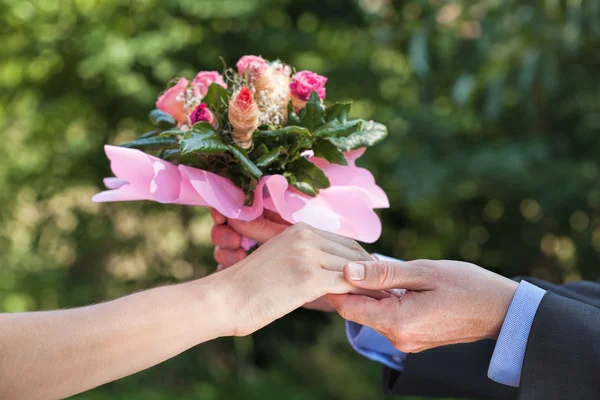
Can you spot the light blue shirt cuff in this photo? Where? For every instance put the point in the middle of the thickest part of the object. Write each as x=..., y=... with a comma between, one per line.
x=507, y=360
x=370, y=344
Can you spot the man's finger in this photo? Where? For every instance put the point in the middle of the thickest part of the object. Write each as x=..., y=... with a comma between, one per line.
x=225, y=237
x=365, y=310
x=319, y=304
x=411, y=275
x=337, y=284
x=273, y=216
x=219, y=218
x=227, y=257
x=261, y=229
x=336, y=300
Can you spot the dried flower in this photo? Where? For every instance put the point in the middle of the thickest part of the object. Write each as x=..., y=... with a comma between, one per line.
x=204, y=79
x=172, y=101
x=243, y=116
x=281, y=95
x=202, y=113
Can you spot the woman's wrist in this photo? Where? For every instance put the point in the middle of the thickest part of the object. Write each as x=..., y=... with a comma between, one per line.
x=211, y=310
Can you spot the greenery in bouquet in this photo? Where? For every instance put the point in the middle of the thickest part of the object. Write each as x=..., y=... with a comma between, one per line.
x=261, y=118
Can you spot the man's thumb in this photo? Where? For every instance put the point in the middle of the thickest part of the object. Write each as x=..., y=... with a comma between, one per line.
x=379, y=275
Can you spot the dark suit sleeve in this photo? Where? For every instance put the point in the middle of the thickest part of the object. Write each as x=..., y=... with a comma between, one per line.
x=562, y=359
x=460, y=371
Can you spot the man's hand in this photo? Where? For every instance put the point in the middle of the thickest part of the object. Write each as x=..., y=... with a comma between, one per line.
x=227, y=235
x=446, y=302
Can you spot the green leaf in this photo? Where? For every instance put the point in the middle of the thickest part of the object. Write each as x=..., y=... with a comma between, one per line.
x=314, y=113
x=270, y=157
x=217, y=98
x=247, y=165
x=337, y=111
x=150, y=143
x=369, y=134
x=335, y=128
x=292, y=116
x=171, y=153
x=288, y=136
x=306, y=177
x=150, y=134
x=171, y=133
x=202, y=138
x=162, y=119
x=327, y=150
x=284, y=132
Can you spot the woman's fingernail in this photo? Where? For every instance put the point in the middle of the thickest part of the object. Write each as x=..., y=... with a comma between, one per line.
x=357, y=271
x=397, y=293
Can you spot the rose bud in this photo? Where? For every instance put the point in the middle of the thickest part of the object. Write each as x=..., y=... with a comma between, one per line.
x=243, y=116
x=204, y=79
x=202, y=113
x=303, y=84
x=172, y=101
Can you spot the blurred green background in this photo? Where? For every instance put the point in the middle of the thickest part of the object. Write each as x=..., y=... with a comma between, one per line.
x=493, y=108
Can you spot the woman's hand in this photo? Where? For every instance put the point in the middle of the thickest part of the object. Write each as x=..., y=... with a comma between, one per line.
x=298, y=266
x=227, y=237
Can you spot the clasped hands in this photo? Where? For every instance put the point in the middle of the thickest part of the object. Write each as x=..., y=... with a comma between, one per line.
x=446, y=302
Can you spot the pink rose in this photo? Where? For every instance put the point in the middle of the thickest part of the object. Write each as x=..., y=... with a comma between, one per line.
x=202, y=113
x=204, y=79
x=305, y=82
x=172, y=101
x=255, y=65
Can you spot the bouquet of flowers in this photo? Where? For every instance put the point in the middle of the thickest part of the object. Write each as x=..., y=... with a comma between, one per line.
x=257, y=137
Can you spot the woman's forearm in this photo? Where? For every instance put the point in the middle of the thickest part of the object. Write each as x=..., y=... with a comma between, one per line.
x=55, y=354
